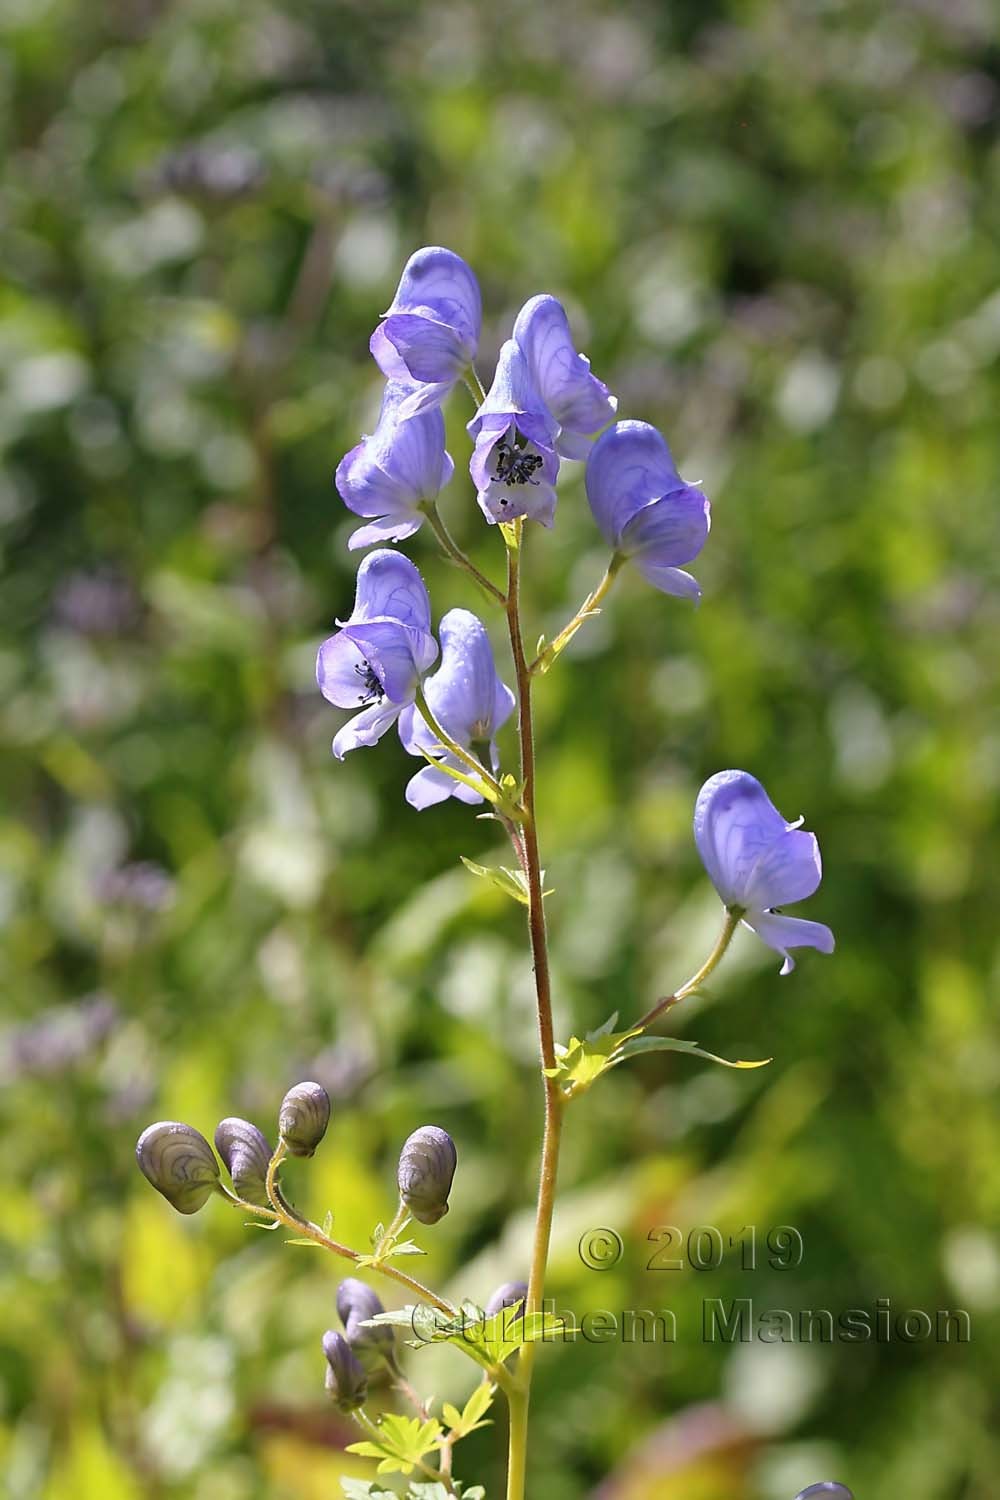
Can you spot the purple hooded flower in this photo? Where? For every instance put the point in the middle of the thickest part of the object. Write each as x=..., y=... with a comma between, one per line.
x=827, y=1489
x=376, y=659
x=514, y=465
x=469, y=702
x=644, y=509
x=580, y=403
x=758, y=862
x=430, y=333
x=390, y=474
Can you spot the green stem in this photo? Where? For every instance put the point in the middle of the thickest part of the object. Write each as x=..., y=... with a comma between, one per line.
x=517, y=1445
x=479, y=771
x=279, y=1213
x=549, y=653
x=451, y=548
x=725, y=937
x=529, y=852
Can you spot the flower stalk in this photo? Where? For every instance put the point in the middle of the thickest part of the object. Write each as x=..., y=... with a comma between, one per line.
x=519, y=1397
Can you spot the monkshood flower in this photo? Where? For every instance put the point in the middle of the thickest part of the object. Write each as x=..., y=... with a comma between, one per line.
x=580, y=403
x=377, y=658
x=469, y=702
x=303, y=1118
x=515, y=463
x=430, y=332
x=356, y=1304
x=395, y=471
x=247, y=1156
x=646, y=512
x=827, y=1489
x=424, y=1176
x=346, y=1379
x=758, y=862
x=180, y=1164
x=510, y=1294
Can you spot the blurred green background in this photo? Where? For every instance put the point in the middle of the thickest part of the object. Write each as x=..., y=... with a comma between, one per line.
x=775, y=226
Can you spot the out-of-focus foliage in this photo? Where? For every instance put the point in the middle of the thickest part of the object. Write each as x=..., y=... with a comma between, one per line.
x=776, y=228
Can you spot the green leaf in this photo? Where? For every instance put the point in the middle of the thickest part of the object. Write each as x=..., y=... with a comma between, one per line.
x=642, y=1044
x=581, y=1063
x=511, y=882
x=400, y=1444
x=470, y=1417
x=488, y=1341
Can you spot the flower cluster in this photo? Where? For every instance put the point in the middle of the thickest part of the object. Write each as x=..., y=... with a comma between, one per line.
x=544, y=407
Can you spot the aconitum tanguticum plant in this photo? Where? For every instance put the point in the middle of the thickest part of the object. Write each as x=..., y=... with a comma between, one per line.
x=387, y=665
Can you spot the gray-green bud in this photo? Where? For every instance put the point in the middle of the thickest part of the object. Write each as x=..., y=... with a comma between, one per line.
x=356, y=1303
x=247, y=1156
x=180, y=1164
x=426, y=1167
x=305, y=1114
x=345, y=1376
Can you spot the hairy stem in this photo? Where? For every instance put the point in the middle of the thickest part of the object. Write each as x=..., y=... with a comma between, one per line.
x=725, y=937
x=280, y=1213
x=475, y=386
x=549, y=653
x=451, y=549
x=519, y=1397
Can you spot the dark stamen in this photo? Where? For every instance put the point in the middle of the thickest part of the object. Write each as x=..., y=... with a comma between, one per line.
x=514, y=464
x=373, y=692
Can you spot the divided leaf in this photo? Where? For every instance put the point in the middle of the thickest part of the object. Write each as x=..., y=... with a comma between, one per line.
x=581, y=1063
x=488, y=1341
x=401, y=1443
x=511, y=882
x=469, y=1419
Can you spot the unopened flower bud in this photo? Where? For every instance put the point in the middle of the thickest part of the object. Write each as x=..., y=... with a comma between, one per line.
x=305, y=1114
x=827, y=1489
x=426, y=1167
x=508, y=1295
x=345, y=1376
x=180, y=1164
x=356, y=1303
x=247, y=1156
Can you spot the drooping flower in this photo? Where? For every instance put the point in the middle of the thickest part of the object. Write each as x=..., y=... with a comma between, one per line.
x=514, y=463
x=430, y=333
x=469, y=702
x=376, y=659
x=644, y=509
x=392, y=472
x=356, y=1304
x=580, y=403
x=346, y=1379
x=758, y=862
